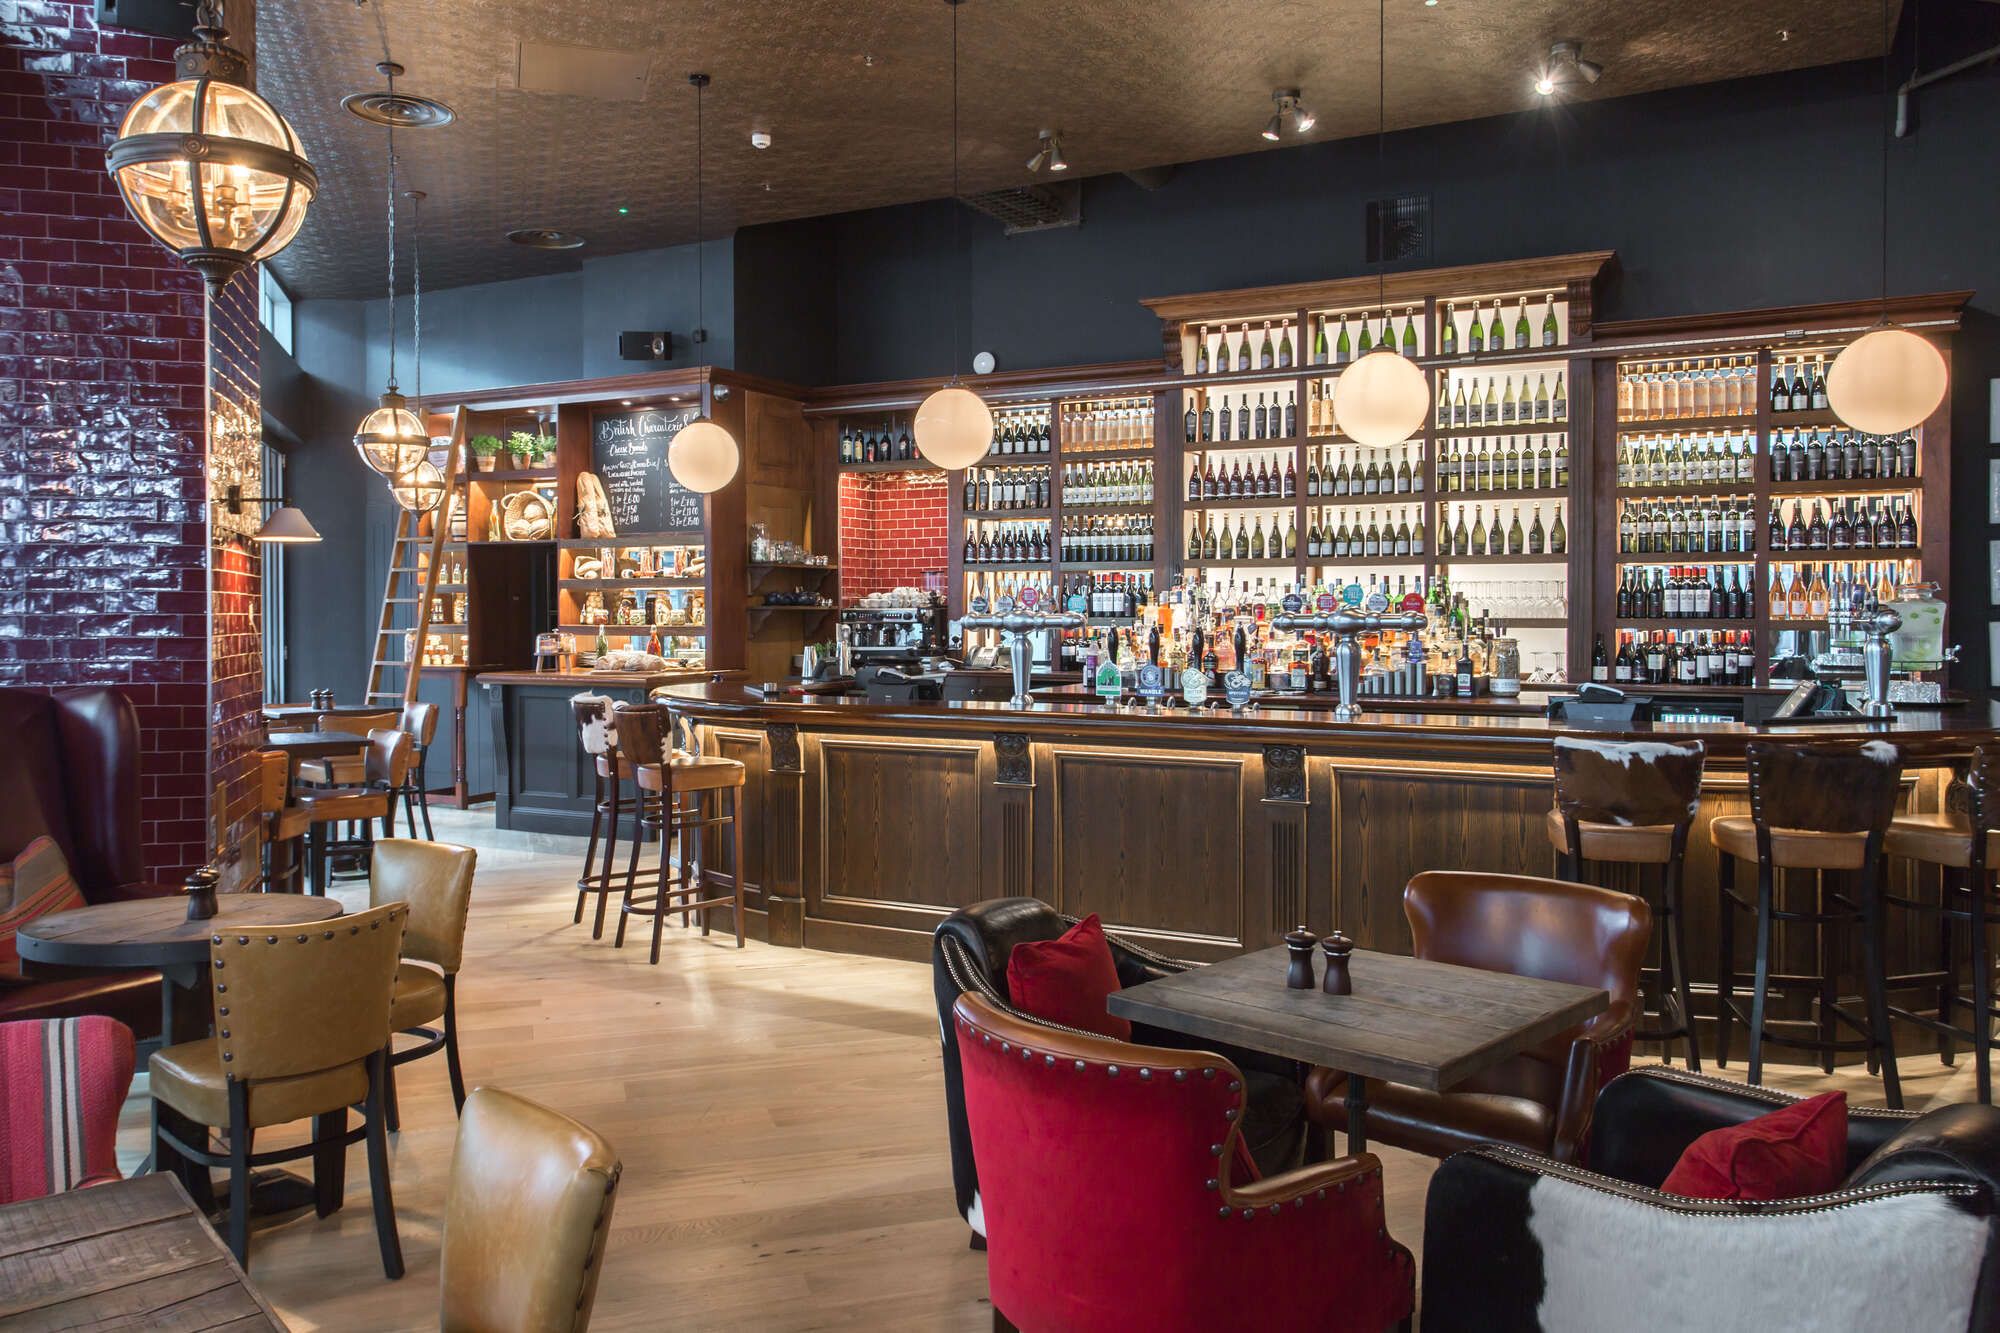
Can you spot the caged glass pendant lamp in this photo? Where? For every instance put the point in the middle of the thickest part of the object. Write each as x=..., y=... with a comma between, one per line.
x=391, y=439
x=1382, y=399
x=702, y=456
x=207, y=166
x=954, y=426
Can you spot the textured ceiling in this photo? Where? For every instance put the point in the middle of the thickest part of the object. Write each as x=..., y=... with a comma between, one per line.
x=1129, y=83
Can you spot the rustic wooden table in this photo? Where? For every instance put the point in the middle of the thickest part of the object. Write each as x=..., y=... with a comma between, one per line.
x=106, y=1256
x=1431, y=1025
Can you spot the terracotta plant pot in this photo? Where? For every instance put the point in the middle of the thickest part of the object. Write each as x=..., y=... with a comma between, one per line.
x=485, y=462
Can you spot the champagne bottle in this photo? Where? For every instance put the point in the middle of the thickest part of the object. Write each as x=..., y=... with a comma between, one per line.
x=1319, y=352
x=1448, y=336
x=1478, y=531
x=1549, y=335
x=1517, y=538
x=1496, y=333
x=1409, y=331
x=1243, y=349
x=1201, y=351
x=1266, y=353
x=1558, y=535
x=1285, y=348
x=1343, y=349
x=1521, y=326
x=1536, y=536
x=1366, y=343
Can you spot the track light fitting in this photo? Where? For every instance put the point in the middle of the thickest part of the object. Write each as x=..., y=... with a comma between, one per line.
x=1290, y=114
x=1049, y=154
x=1565, y=67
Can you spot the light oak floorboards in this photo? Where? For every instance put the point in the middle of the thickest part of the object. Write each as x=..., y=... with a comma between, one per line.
x=780, y=1115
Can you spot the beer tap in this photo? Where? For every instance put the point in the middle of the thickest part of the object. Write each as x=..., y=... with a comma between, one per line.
x=1015, y=626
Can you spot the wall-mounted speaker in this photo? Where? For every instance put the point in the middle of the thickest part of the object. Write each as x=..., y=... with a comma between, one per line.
x=644, y=346
x=156, y=18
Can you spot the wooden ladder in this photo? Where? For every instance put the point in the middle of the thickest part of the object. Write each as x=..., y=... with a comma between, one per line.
x=407, y=573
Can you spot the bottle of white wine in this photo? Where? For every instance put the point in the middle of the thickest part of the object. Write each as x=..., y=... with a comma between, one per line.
x=1549, y=330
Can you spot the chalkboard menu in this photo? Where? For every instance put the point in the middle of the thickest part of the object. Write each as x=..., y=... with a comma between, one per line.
x=628, y=451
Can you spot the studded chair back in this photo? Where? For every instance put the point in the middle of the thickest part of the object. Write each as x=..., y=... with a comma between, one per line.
x=359, y=723
x=420, y=720
x=435, y=880
x=1824, y=788
x=1983, y=777
x=1628, y=784
x=293, y=1000
x=596, y=728
x=274, y=767
x=388, y=756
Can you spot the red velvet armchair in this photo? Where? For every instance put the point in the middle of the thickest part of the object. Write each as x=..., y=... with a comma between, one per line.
x=1107, y=1171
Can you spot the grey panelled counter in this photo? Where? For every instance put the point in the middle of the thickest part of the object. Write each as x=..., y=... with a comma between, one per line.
x=1201, y=834
x=542, y=781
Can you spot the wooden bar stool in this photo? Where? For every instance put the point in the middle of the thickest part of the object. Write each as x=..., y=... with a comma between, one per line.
x=685, y=791
x=383, y=767
x=1818, y=808
x=1947, y=840
x=597, y=732
x=420, y=720
x=1632, y=804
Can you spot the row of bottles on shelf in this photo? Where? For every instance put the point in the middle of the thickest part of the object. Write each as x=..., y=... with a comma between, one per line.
x=1387, y=472
x=1697, y=526
x=1107, y=483
x=448, y=608
x=1677, y=657
x=1101, y=538
x=1715, y=386
x=1273, y=351
x=1022, y=430
x=1886, y=523
x=862, y=444
x=1109, y=423
x=1007, y=543
x=1498, y=404
x=1504, y=463
x=1514, y=539
x=1804, y=390
x=1332, y=538
x=451, y=568
x=1842, y=455
x=1843, y=597
x=1107, y=596
x=992, y=490
x=1687, y=592
x=1206, y=546
x=1233, y=481
x=1702, y=458
x=1242, y=423
x=1493, y=335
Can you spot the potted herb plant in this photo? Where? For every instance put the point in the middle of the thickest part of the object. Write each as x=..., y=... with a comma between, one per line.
x=522, y=445
x=545, y=450
x=485, y=451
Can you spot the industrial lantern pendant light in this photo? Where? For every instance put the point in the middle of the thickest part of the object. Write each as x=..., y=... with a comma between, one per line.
x=391, y=439
x=209, y=168
x=954, y=426
x=1888, y=380
x=702, y=455
x=1382, y=399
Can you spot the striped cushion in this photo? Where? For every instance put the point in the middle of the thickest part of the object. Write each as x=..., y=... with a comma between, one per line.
x=37, y=883
x=62, y=1081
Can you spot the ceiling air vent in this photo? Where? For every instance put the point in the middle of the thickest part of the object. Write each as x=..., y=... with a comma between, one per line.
x=1032, y=207
x=582, y=71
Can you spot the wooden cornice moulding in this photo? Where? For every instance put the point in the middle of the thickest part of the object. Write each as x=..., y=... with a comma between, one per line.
x=1933, y=312
x=1402, y=287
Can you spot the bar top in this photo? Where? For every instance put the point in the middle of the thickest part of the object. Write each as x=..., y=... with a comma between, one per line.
x=1949, y=731
x=621, y=680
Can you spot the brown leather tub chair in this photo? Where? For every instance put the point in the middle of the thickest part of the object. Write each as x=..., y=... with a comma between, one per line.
x=1542, y=1099
x=526, y=1217
x=70, y=770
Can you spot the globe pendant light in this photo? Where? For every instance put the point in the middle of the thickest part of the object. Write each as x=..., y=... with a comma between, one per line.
x=391, y=439
x=954, y=426
x=419, y=488
x=209, y=168
x=702, y=456
x=1888, y=380
x=1383, y=398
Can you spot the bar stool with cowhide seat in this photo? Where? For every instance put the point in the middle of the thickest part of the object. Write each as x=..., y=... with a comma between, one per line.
x=1819, y=808
x=1632, y=804
x=1967, y=858
x=597, y=732
x=683, y=792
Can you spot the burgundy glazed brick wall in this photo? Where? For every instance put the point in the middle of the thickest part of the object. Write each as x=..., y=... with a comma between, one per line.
x=892, y=530
x=103, y=377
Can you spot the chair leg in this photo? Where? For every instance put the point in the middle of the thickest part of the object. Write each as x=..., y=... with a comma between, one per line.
x=660, y=898
x=239, y=1171
x=378, y=1167
x=1829, y=981
x=1947, y=990
x=684, y=857
x=329, y=1161
x=1762, y=979
x=1982, y=984
x=317, y=853
x=1677, y=978
x=451, y=1041
x=1875, y=981
x=610, y=855
x=424, y=794
x=1725, y=954
x=589, y=848
x=392, y=1109
x=736, y=834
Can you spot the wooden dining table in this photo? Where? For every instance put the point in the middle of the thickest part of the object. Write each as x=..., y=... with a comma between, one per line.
x=128, y=1254
x=282, y=714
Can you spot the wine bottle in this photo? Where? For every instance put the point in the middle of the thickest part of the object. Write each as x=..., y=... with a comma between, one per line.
x=1243, y=349
x=1285, y=348
x=1201, y=351
x=1549, y=330
x=1496, y=333
x=1319, y=352
x=1447, y=338
x=1521, y=326
x=1266, y=354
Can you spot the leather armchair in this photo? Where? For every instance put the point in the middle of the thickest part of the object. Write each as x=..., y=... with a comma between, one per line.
x=969, y=954
x=1112, y=1203
x=70, y=770
x=1516, y=1240
x=1543, y=1098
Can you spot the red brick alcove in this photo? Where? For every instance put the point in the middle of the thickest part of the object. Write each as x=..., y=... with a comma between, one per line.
x=892, y=530
x=104, y=381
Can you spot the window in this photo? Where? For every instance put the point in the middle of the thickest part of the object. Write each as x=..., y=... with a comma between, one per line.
x=274, y=306
x=273, y=582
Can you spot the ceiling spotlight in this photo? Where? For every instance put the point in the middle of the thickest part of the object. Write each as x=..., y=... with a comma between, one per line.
x=760, y=138
x=1565, y=67
x=1290, y=114
x=1049, y=154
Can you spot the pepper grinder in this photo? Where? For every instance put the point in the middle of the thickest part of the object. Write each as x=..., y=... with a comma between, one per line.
x=1299, y=944
x=1337, y=947
x=200, y=891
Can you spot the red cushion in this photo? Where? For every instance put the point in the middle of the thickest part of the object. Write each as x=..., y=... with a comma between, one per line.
x=37, y=883
x=1788, y=1154
x=1067, y=980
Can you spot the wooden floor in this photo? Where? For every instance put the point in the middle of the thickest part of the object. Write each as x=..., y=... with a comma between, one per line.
x=780, y=1114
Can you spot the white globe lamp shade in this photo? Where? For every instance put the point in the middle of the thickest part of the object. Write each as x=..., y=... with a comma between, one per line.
x=954, y=428
x=703, y=456
x=1886, y=382
x=1381, y=400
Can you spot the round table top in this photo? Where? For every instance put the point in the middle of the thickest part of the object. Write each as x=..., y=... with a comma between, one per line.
x=314, y=744
x=294, y=712
x=155, y=932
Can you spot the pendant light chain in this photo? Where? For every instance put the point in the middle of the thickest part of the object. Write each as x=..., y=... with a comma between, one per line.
x=965, y=274
x=699, y=81
x=392, y=235
x=1888, y=110
x=417, y=292
x=1381, y=155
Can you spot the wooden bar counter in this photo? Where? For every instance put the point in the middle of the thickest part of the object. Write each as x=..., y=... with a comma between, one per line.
x=1202, y=833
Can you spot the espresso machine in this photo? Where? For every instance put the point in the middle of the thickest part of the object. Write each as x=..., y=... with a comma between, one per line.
x=895, y=635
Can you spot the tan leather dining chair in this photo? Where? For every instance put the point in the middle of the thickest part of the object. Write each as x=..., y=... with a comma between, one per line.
x=384, y=764
x=301, y=1030
x=344, y=770
x=526, y=1217
x=435, y=880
